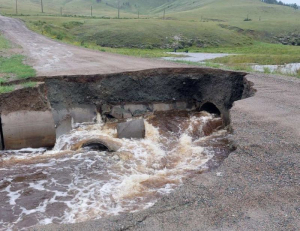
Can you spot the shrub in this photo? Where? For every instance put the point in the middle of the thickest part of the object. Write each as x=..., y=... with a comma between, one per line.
x=267, y=70
x=60, y=36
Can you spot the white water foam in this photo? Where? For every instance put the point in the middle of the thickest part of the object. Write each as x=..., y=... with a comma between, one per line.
x=81, y=185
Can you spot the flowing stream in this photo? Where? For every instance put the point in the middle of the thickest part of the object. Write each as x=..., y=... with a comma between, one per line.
x=66, y=185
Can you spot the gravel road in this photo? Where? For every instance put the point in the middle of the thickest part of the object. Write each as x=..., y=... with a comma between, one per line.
x=256, y=188
x=51, y=58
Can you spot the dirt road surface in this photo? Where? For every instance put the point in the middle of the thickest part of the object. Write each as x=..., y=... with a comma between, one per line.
x=256, y=188
x=51, y=58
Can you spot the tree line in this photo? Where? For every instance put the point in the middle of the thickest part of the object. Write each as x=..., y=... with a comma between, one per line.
x=294, y=5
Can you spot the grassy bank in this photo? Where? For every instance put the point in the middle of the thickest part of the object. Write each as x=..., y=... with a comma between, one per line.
x=146, y=36
x=12, y=66
x=236, y=67
x=136, y=33
x=153, y=37
x=259, y=53
x=4, y=43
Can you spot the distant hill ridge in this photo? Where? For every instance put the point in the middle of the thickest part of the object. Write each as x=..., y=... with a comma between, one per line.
x=104, y=7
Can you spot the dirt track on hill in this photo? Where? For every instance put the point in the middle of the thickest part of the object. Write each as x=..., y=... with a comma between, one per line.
x=256, y=188
x=51, y=58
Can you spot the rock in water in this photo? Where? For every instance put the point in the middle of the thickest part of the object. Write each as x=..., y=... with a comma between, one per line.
x=131, y=129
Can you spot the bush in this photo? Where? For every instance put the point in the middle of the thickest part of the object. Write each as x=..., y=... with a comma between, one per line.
x=60, y=36
x=70, y=25
x=267, y=70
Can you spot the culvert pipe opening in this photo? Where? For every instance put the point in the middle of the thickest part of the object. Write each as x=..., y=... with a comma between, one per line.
x=210, y=108
x=95, y=146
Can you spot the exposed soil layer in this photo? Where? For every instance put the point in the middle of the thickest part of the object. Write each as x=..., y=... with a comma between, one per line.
x=31, y=99
x=78, y=99
x=158, y=85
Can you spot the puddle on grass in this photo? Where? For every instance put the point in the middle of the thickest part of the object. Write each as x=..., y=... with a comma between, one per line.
x=195, y=57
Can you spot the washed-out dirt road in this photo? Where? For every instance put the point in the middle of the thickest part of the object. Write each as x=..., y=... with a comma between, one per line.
x=49, y=57
x=256, y=188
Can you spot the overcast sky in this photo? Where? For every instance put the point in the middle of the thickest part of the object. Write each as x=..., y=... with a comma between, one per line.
x=291, y=1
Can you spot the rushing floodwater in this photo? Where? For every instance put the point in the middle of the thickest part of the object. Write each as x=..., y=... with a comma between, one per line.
x=63, y=186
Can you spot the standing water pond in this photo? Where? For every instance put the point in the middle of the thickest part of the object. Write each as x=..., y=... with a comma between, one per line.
x=38, y=186
x=194, y=57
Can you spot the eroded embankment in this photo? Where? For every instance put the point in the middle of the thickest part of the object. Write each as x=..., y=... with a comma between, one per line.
x=93, y=171
x=36, y=117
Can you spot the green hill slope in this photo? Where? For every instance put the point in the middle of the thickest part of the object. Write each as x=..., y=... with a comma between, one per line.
x=177, y=9
x=188, y=23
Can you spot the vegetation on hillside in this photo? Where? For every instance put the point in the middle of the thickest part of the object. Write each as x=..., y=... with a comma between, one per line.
x=258, y=52
x=199, y=23
x=294, y=5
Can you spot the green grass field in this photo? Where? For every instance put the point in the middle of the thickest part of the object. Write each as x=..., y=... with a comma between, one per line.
x=4, y=43
x=134, y=33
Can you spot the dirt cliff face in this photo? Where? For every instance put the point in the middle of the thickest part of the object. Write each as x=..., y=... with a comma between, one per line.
x=31, y=99
x=199, y=85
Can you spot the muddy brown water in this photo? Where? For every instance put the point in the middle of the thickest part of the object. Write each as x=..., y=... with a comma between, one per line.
x=63, y=186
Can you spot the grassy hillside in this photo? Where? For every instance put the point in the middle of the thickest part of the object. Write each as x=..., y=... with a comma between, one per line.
x=69, y=7
x=189, y=9
x=151, y=33
x=128, y=8
x=209, y=23
x=266, y=22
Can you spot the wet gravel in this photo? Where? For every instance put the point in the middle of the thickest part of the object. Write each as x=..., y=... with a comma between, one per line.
x=256, y=188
